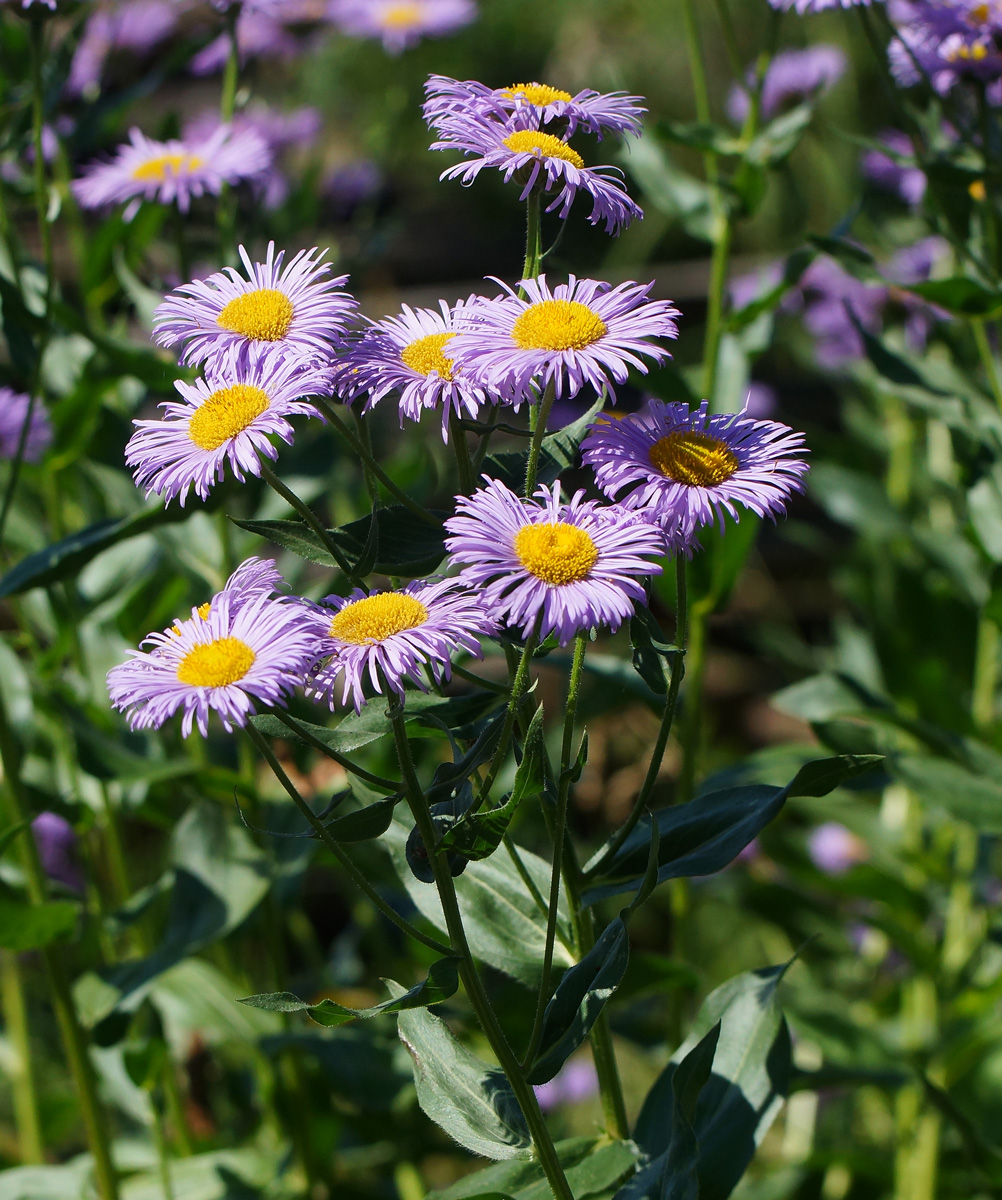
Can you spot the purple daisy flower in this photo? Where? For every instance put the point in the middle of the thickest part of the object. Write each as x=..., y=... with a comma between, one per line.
x=253, y=578
x=691, y=468
x=56, y=840
x=896, y=170
x=517, y=146
x=390, y=636
x=834, y=849
x=815, y=6
x=400, y=24
x=594, y=112
x=948, y=40
x=793, y=75
x=582, y=333
x=561, y=568
x=172, y=172
x=258, y=34
x=240, y=653
x=132, y=25
x=294, y=307
x=13, y=414
x=407, y=354
x=229, y=416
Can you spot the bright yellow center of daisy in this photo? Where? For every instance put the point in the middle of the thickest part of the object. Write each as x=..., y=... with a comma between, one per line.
x=203, y=612
x=979, y=14
x=542, y=145
x=225, y=414
x=375, y=618
x=426, y=355
x=556, y=552
x=264, y=315
x=401, y=16
x=539, y=94
x=216, y=664
x=695, y=459
x=158, y=169
x=557, y=325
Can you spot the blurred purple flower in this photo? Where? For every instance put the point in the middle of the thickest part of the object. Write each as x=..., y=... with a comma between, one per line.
x=56, y=841
x=131, y=25
x=793, y=75
x=577, y=1080
x=400, y=24
x=258, y=34
x=350, y=185
x=804, y=7
x=13, y=413
x=945, y=41
x=761, y=400
x=889, y=172
x=834, y=849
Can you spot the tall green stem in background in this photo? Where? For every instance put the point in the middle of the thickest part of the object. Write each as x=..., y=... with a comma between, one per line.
x=22, y=1081
x=227, y=211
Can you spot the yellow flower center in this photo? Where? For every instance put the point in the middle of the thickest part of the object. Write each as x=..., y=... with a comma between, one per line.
x=401, y=16
x=979, y=14
x=542, y=145
x=556, y=552
x=264, y=315
x=216, y=664
x=978, y=191
x=203, y=612
x=158, y=169
x=557, y=325
x=375, y=618
x=539, y=94
x=695, y=459
x=225, y=414
x=426, y=355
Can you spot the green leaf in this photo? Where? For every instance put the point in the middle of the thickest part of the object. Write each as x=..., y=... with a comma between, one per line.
x=470, y=1100
x=66, y=558
x=560, y=449
x=25, y=926
x=581, y=995
x=340, y=740
x=652, y=652
x=954, y=789
x=8, y=835
x=961, y=296
x=824, y=775
x=887, y=363
x=441, y=983
x=369, y=822
x=294, y=536
x=823, y=696
x=702, y=135
x=744, y=1093
x=780, y=137
x=679, y=1178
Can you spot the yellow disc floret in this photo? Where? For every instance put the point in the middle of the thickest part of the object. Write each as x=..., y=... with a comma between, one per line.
x=695, y=459
x=557, y=325
x=542, y=145
x=216, y=664
x=556, y=552
x=375, y=618
x=156, y=170
x=401, y=16
x=427, y=354
x=226, y=413
x=263, y=315
x=539, y=94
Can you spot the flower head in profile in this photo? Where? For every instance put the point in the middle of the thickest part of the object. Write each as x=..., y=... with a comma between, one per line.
x=294, y=306
x=400, y=24
x=254, y=577
x=688, y=468
x=242, y=653
x=588, y=110
x=14, y=412
x=172, y=172
x=551, y=566
x=537, y=160
x=894, y=167
x=366, y=641
x=578, y=334
x=409, y=355
x=230, y=416
x=793, y=75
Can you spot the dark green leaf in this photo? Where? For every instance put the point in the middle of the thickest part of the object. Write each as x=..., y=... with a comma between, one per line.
x=8, y=835
x=581, y=995
x=961, y=296
x=369, y=822
x=952, y=788
x=888, y=364
x=857, y=259
x=341, y=740
x=824, y=775
x=652, y=652
x=19, y=326
x=25, y=926
x=560, y=449
x=470, y=1100
x=293, y=536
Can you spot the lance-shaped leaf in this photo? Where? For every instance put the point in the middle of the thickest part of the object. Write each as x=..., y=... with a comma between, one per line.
x=471, y=1101
x=478, y=835
x=744, y=1093
x=340, y=741
x=652, y=652
x=441, y=983
x=824, y=775
x=580, y=997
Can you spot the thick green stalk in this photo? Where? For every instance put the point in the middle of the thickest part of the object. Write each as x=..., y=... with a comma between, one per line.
x=692, y=709
x=74, y=1041
x=518, y=686
x=986, y=674
x=541, y=416
x=15, y=1012
x=464, y=464
x=533, y=237
x=445, y=884
x=231, y=74
x=988, y=360
x=308, y=515
x=302, y=732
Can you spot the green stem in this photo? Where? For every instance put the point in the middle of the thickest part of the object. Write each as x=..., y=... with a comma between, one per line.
x=302, y=732
x=445, y=884
x=15, y=1012
x=371, y=485
x=731, y=46
x=304, y=510
x=533, y=236
x=986, y=674
x=366, y=456
x=231, y=74
x=335, y=848
x=163, y=1157
x=559, y=837
x=518, y=686
x=988, y=359
x=610, y=1086
x=541, y=415
x=692, y=709
x=74, y=1042
x=464, y=464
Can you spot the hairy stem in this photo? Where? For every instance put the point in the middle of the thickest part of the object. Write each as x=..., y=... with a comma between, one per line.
x=541, y=416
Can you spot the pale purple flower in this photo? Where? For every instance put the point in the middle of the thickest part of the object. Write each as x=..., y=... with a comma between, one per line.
x=49, y=4
x=136, y=26
x=371, y=640
x=14, y=407
x=230, y=416
x=896, y=170
x=172, y=172
x=350, y=185
x=688, y=468
x=947, y=40
x=579, y=334
x=594, y=112
x=240, y=655
x=259, y=34
x=409, y=355
x=761, y=400
x=294, y=307
x=400, y=24
x=834, y=849
x=793, y=75
x=577, y=1080
x=815, y=6
x=56, y=841
x=551, y=566
x=253, y=578
x=542, y=161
